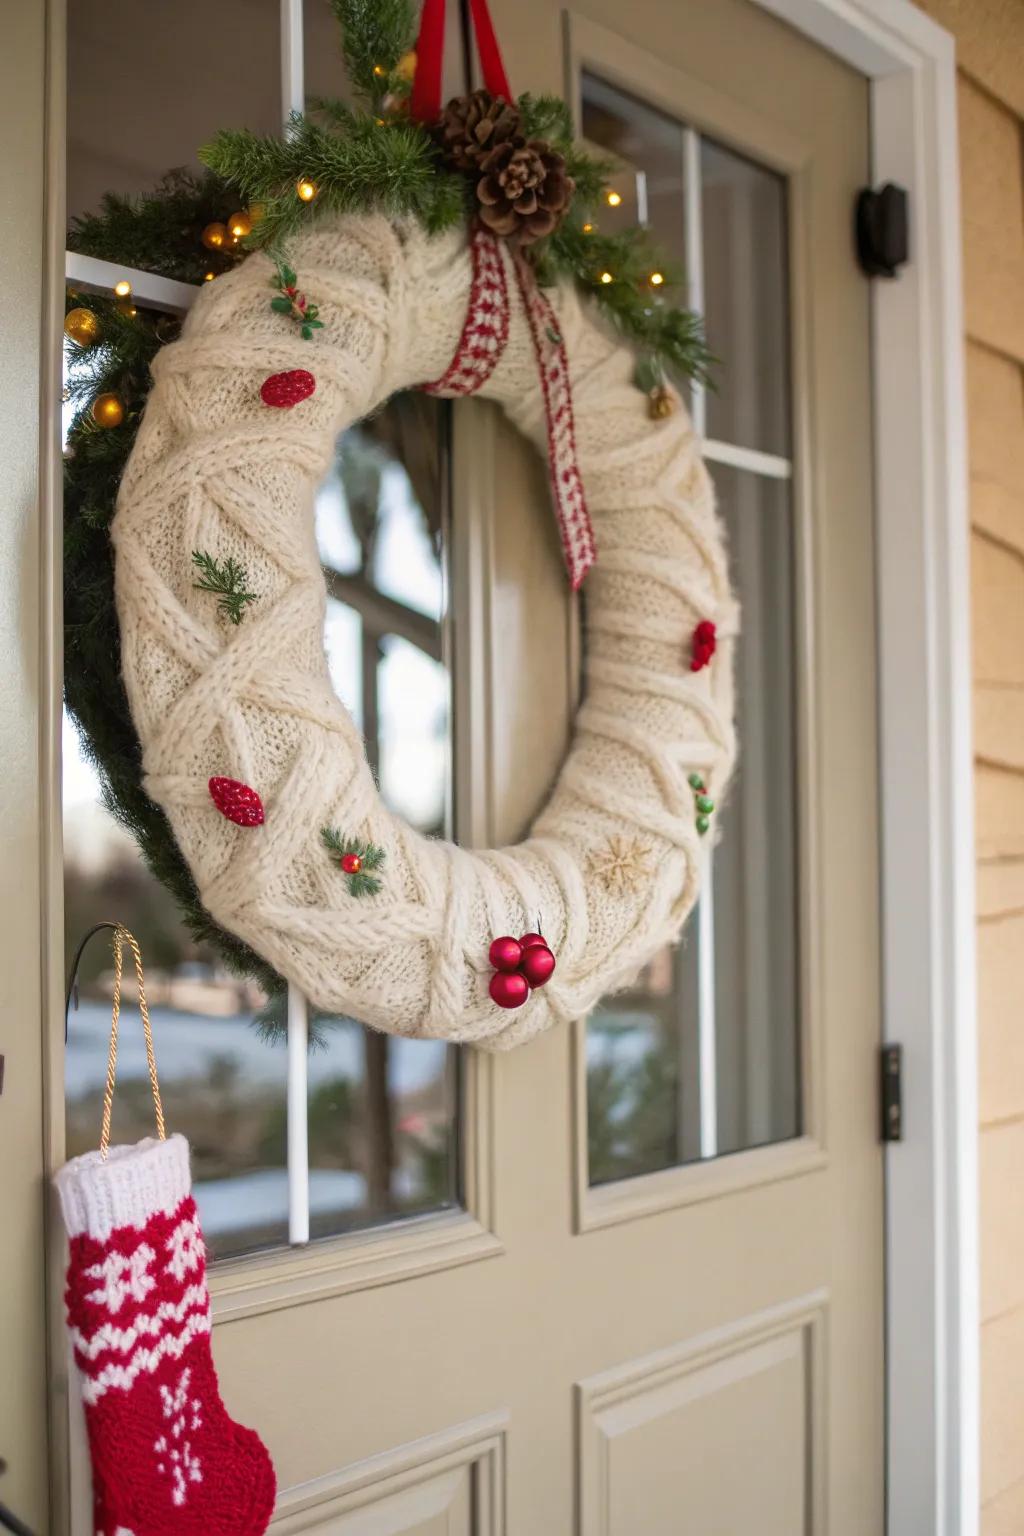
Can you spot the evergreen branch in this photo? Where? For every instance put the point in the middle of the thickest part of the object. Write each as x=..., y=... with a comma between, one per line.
x=375, y=35
x=546, y=117
x=227, y=580
x=391, y=169
x=162, y=230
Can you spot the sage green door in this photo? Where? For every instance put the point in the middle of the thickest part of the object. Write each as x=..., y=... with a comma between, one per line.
x=627, y=1279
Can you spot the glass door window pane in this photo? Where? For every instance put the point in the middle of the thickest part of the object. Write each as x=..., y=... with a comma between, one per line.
x=746, y=309
x=701, y=1056
x=148, y=84
x=383, y=1111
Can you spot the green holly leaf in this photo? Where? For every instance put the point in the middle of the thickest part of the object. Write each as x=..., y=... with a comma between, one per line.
x=288, y=277
x=281, y=306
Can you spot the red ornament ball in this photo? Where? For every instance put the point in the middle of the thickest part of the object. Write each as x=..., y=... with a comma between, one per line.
x=529, y=939
x=287, y=389
x=237, y=802
x=509, y=989
x=538, y=964
x=505, y=954
x=351, y=863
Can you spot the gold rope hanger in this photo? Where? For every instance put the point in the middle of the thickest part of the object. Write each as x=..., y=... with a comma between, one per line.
x=122, y=936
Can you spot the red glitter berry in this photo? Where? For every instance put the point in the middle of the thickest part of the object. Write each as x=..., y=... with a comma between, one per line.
x=703, y=645
x=237, y=802
x=351, y=863
x=287, y=389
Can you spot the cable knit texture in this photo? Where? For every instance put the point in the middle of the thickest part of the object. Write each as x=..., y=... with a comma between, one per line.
x=216, y=469
x=166, y=1458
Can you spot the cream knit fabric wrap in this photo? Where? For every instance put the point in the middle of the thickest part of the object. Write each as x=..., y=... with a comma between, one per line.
x=217, y=470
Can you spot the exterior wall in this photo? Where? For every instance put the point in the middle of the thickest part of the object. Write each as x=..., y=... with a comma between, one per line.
x=990, y=44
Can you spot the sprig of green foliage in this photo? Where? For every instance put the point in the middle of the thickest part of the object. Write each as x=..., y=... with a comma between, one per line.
x=227, y=580
x=361, y=882
x=375, y=35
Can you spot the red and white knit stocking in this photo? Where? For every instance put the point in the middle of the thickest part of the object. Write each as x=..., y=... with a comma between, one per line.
x=166, y=1458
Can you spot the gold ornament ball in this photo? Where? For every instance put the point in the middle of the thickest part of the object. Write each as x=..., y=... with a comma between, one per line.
x=405, y=69
x=108, y=411
x=214, y=236
x=305, y=189
x=240, y=225
x=661, y=402
x=82, y=327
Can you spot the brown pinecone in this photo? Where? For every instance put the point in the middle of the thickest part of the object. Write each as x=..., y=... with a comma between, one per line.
x=524, y=190
x=472, y=126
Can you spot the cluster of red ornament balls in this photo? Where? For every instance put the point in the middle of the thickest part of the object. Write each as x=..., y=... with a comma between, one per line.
x=703, y=647
x=519, y=964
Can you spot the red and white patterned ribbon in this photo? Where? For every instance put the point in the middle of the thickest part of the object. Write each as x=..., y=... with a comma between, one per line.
x=486, y=329
x=481, y=345
x=566, y=482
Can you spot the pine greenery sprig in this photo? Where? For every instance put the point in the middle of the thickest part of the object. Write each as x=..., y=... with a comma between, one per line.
x=370, y=855
x=161, y=230
x=375, y=35
x=391, y=169
x=227, y=580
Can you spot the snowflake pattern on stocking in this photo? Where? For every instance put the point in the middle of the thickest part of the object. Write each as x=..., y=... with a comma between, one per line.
x=185, y=1247
x=174, y=1451
x=123, y=1278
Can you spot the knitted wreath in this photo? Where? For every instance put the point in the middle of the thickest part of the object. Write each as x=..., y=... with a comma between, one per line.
x=256, y=762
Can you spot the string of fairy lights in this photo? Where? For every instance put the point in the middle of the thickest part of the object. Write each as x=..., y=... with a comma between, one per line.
x=83, y=328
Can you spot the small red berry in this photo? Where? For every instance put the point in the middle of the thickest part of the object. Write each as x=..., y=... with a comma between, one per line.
x=351, y=863
x=509, y=989
x=287, y=389
x=529, y=939
x=538, y=965
x=505, y=954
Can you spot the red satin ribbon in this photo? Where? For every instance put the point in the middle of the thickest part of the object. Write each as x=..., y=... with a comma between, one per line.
x=425, y=99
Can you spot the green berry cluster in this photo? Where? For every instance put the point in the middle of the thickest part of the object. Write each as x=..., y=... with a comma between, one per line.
x=703, y=802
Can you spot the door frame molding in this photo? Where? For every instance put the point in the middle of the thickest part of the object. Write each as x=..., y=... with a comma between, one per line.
x=925, y=764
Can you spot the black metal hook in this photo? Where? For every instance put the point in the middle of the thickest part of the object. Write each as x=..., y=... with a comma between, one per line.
x=71, y=996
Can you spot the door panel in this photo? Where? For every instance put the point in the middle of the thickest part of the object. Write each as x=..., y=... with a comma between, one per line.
x=727, y=1429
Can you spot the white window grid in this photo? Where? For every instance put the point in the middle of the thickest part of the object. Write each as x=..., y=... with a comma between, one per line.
x=165, y=293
